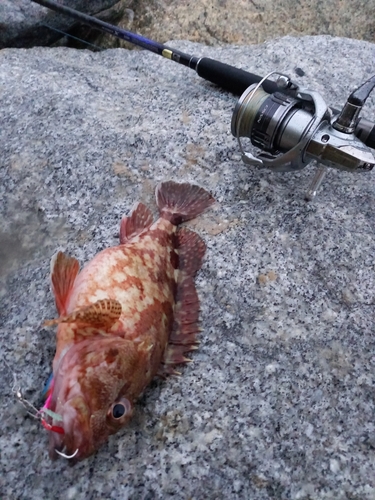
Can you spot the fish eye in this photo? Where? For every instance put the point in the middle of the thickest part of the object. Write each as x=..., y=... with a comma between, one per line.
x=118, y=410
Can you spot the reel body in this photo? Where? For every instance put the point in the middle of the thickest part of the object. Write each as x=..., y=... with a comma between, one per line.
x=293, y=126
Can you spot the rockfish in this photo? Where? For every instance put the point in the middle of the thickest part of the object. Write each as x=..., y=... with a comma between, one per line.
x=130, y=314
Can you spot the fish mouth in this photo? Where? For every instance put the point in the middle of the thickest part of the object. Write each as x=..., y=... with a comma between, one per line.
x=76, y=442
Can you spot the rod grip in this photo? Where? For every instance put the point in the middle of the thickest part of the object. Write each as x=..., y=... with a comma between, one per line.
x=230, y=78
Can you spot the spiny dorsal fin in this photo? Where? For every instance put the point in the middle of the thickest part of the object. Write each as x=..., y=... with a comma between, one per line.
x=191, y=250
x=132, y=225
x=102, y=314
x=183, y=338
x=64, y=270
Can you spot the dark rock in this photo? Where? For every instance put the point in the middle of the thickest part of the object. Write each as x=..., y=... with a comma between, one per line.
x=24, y=23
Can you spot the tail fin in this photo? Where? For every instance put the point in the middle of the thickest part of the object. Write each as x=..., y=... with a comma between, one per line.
x=181, y=202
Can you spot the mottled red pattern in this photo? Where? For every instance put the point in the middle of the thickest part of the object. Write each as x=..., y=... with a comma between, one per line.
x=131, y=313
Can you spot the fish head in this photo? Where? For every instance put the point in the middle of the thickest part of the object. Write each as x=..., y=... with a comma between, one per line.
x=89, y=398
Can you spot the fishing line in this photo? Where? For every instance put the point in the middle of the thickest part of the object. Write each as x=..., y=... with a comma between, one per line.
x=32, y=411
x=73, y=37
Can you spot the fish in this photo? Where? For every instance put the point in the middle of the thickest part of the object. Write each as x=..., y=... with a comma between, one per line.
x=129, y=315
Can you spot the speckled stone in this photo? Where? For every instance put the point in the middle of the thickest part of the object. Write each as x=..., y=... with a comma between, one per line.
x=251, y=21
x=279, y=400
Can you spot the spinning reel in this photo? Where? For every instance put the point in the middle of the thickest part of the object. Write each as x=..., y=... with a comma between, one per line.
x=293, y=126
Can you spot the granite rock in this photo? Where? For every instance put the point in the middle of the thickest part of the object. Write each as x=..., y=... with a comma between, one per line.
x=279, y=400
x=245, y=22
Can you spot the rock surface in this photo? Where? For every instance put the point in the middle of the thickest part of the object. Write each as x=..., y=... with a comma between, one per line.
x=245, y=22
x=279, y=401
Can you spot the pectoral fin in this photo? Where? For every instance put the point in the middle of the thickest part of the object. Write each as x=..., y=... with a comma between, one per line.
x=64, y=270
x=101, y=314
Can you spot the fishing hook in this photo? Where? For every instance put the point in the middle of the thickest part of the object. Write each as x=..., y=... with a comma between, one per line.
x=67, y=456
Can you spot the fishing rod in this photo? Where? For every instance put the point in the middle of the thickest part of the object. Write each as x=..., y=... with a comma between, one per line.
x=290, y=125
x=233, y=79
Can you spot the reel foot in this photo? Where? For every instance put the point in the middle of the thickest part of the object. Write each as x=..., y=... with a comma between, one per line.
x=315, y=183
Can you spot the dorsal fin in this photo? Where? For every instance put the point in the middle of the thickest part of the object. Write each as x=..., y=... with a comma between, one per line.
x=132, y=225
x=64, y=270
x=102, y=314
x=183, y=338
x=191, y=250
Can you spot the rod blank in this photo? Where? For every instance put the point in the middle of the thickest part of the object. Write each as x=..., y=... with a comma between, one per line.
x=228, y=77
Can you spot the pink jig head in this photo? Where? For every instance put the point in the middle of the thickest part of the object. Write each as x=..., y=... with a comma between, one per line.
x=46, y=412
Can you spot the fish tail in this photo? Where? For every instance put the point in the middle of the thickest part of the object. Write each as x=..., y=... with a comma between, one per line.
x=181, y=202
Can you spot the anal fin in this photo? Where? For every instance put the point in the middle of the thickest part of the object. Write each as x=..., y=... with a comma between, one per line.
x=64, y=270
x=102, y=314
x=183, y=338
x=140, y=219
